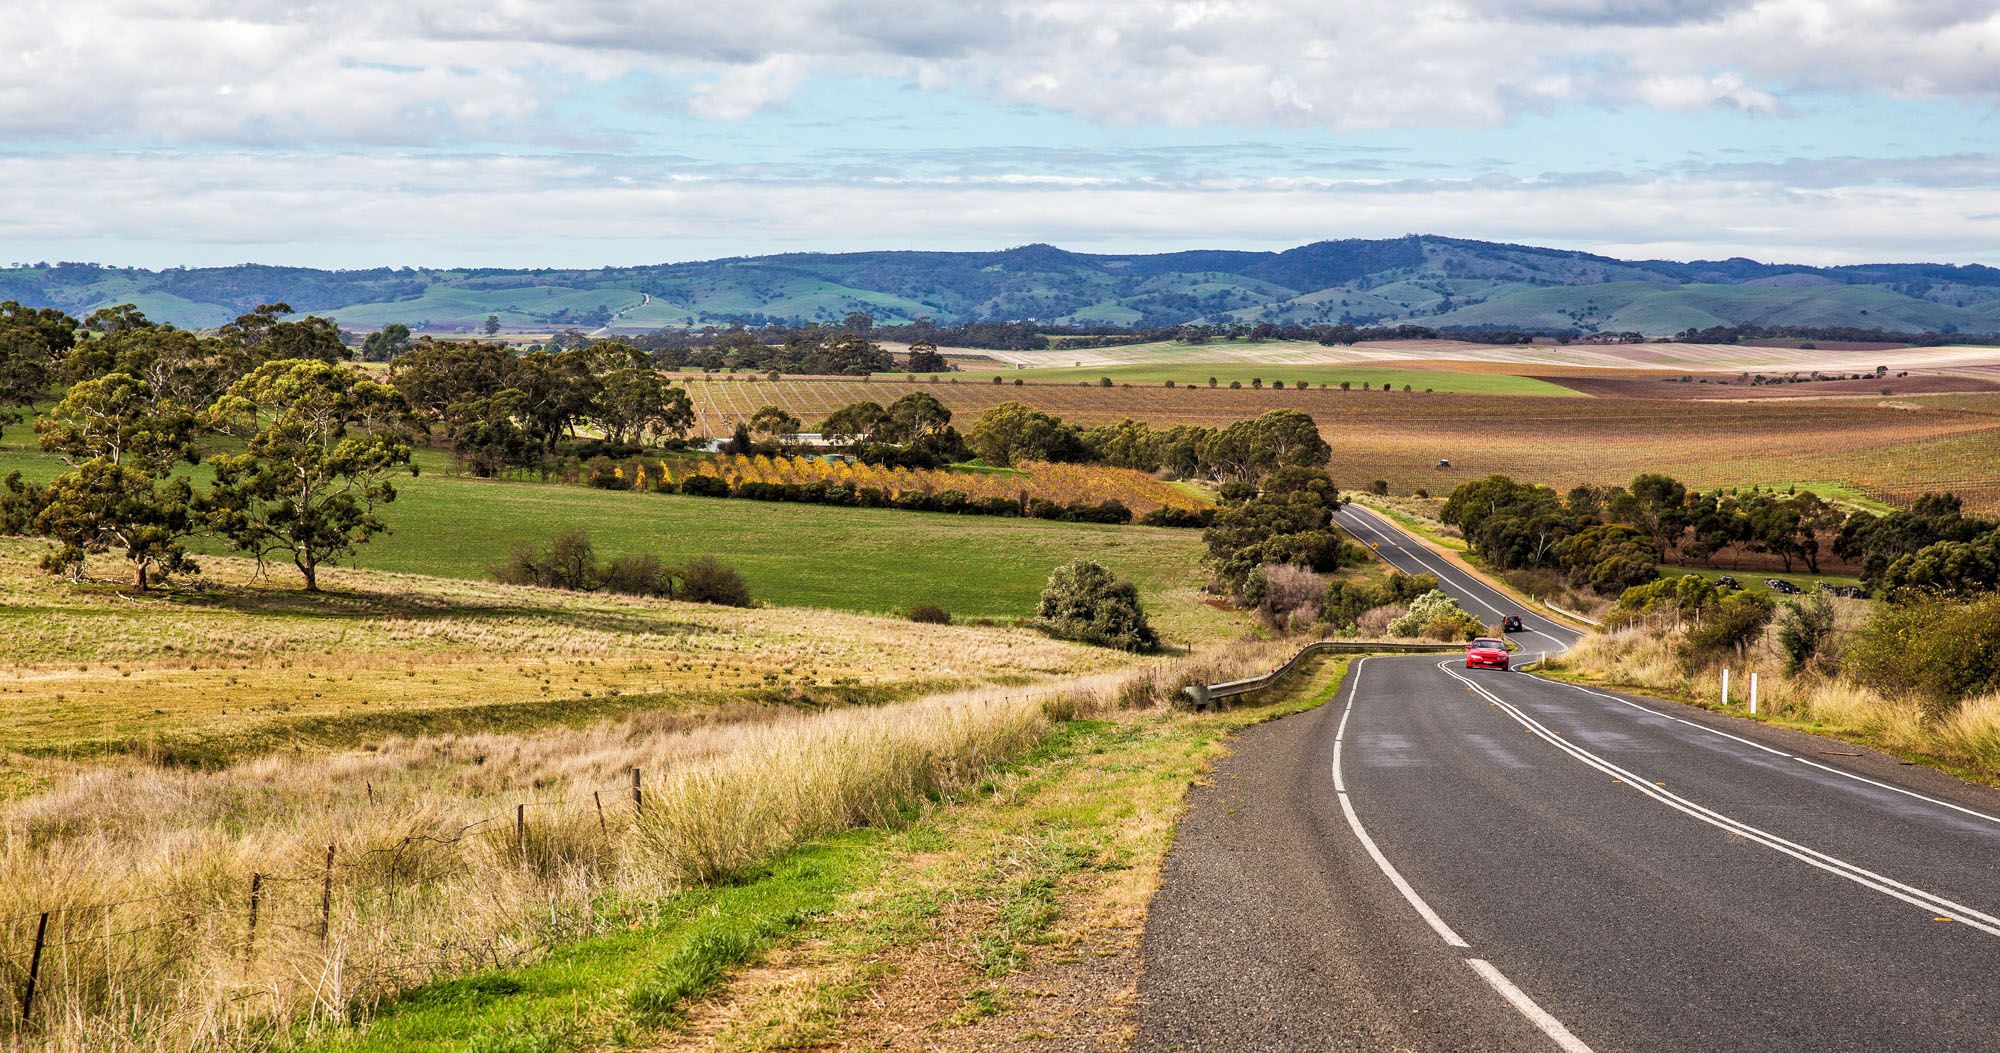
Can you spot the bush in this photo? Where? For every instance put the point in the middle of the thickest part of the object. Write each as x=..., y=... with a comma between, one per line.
x=1681, y=596
x=1940, y=651
x=1730, y=627
x=705, y=580
x=569, y=562
x=641, y=575
x=1438, y=617
x=1805, y=632
x=1086, y=603
x=602, y=473
x=704, y=486
x=930, y=614
x=1288, y=595
x=1169, y=516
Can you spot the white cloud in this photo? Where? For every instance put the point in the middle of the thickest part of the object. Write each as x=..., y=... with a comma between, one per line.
x=199, y=208
x=739, y=91
x=387, y=71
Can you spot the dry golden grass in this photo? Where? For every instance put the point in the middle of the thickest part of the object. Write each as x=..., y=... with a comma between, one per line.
x=218, y=673
x=430, y=876
x=1965, y=740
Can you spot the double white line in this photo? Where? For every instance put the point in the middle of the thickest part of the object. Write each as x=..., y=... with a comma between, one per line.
x=1937, y=905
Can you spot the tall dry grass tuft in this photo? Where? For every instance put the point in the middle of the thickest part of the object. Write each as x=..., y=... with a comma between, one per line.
x=1973, y=729
x=1648, y=658
x=148, y=873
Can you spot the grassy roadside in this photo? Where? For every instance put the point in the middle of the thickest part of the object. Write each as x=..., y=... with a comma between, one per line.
x=1013, y=912
x=1965, y=744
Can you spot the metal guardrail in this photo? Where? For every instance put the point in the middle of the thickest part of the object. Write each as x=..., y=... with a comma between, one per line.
x=1567, y=613
x=1202, y=696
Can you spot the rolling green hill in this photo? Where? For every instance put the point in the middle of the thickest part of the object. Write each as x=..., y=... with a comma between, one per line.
x=1434, y=281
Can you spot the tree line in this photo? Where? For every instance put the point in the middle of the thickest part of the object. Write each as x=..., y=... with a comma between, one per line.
x=1612, y=538
x=303, y=447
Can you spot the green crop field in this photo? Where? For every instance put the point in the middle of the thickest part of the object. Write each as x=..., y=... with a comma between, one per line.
x=857, y=559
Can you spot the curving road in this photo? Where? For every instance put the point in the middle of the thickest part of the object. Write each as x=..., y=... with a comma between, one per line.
x=1494, y=861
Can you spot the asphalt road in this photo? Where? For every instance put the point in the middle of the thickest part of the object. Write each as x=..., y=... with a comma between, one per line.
x=1444, y=859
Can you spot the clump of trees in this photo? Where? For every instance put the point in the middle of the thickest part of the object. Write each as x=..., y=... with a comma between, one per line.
x=1610, y=539
x=915, y=431
x=569, y=561
x=499, y=411
x=1931, y=548
x=846, y=349
x=1286, y=521
x=1087, y=603
x=318, y=439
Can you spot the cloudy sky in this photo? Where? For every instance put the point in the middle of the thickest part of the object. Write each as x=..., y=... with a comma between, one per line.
x=586, y=132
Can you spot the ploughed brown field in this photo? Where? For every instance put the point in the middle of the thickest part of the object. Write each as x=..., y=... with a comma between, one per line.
x=1895, y=448
x=1670, y=387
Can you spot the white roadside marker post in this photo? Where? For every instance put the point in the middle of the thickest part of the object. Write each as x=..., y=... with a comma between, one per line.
x=1753, y=694
x=1725, y=685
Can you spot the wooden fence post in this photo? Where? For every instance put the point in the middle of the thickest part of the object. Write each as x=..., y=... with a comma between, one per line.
x=602, y=827
x=638, y=801
x=250, y=936
x=326, y=899
x=34, y=967
x=520, y=825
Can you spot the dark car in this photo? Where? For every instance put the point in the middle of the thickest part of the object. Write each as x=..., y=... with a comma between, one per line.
x=1511, y=624
x=1485, y=653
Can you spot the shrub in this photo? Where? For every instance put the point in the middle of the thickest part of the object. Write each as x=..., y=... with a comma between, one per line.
x=569, y=562
x=1805, y=631
x=1169, y=516
x=1681, y=596
x=706, y=580
x=1375, y=621
x=1086, y=603
x=1730, y=627
x=605, y=475
x=704, y=486
x=640, y=575
x=1109, y=510
x=1288, y=595
x=930, y=614
x=1380, y=488
x=1437, y=616
x=1940, y=651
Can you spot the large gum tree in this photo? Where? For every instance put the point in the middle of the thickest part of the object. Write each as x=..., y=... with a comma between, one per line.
x=320, y=442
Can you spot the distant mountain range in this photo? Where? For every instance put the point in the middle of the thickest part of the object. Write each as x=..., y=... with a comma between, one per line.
x=1435, y=281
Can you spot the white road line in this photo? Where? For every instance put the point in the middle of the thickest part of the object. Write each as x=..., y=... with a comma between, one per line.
x=1869, y=879
x=1536, y=1014
x=1791, y=755
x=1424, y=910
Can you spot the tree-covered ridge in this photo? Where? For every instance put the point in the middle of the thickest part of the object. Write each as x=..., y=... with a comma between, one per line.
x=1444, y=282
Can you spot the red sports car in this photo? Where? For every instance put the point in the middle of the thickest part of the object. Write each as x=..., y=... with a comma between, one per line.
x=1485, y=653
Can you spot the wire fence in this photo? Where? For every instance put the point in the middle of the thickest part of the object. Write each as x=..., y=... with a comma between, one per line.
x=334, y=925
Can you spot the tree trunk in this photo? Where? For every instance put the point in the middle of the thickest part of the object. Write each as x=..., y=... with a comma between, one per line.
x=310, y=568
x=139, y=577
